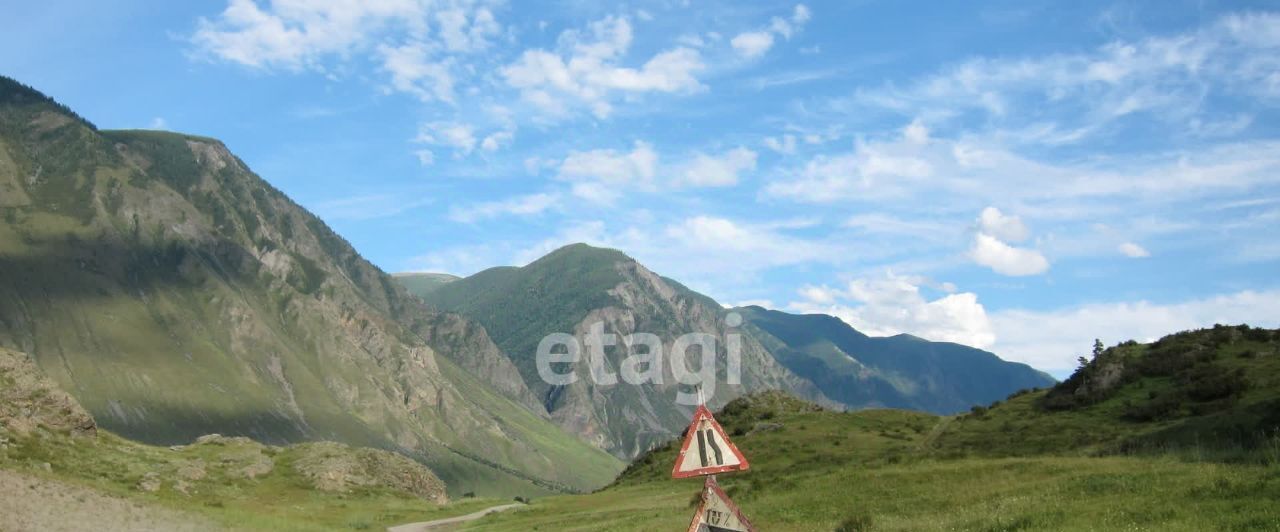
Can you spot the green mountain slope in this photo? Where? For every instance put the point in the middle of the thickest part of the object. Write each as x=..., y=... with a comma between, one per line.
x=1213, y=393
x=53, y=447
x=175, y=293
x=898, y=372
x=815, y=356
x=421, y=284
x=577, y=286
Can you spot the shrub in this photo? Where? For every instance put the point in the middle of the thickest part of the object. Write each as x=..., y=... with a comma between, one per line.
x=1159, y=407
x=1210, y=382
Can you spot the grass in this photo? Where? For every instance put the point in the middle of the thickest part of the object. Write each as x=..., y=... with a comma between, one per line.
x=1210, y=463
x=279, y=500
x=871, y=471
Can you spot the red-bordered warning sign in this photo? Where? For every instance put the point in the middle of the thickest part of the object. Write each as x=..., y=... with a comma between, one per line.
x=717, y=513
x=707, y=449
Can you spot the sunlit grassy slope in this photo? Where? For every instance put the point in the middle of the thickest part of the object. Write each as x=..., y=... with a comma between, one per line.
x=1209, y=461
x=278, y=500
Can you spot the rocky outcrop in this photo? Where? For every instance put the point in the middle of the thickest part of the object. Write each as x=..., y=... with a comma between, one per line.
x=335, y=467
x=29, y=401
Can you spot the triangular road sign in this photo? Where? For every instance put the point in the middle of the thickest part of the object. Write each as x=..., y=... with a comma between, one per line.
x=717, y=513
x=707, y=449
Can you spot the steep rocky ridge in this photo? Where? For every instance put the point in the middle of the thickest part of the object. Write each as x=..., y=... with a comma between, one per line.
x=174, y=293
x=573, y=289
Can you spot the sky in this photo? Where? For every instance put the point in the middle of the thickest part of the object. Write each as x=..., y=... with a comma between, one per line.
x=1020, y=176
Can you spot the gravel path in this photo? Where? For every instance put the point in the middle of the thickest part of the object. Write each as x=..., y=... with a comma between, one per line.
x=440, y=523
x=31, y=504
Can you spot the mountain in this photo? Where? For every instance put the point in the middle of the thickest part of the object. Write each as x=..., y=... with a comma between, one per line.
x=577, y=286
x=71, y=473
x=901, y=371
x=175, y=293
x=815, y=356
x=420, y=283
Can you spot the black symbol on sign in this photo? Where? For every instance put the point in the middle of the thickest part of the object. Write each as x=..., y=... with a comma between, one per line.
x=707, y=438
x=715, y=517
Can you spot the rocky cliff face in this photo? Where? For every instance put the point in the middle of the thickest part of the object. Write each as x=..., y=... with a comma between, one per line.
x=175, y=293
x=579, y=287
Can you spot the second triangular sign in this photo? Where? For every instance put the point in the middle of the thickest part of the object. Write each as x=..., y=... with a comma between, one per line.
x=717, y=513
x=707, y=449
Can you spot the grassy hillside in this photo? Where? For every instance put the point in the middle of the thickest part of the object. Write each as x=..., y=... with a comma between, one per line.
x=1212, y=393
x=421, y=284
x=176, y=293
x=50, y=444
x=519, y=306
x=214, y=482
x=1212, y=462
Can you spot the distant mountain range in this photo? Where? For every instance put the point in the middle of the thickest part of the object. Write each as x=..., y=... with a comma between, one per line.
x=817, y=357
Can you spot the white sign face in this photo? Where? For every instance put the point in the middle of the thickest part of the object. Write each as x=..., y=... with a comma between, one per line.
x=717, y=513
x=707, y=450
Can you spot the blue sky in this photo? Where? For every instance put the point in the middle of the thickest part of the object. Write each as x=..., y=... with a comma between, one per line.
x=1021, y=176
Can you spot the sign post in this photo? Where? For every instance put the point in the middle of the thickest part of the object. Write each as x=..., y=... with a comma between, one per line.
x=707, y=451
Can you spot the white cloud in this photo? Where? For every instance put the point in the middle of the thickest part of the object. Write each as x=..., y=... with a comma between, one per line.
x=916, y=229
x=158, y=123
x=425, y=157
x=980, y=168
x=413, y=71
x=527, y=205
x=916, y=132
x=1163, y=77
x=718, y=171
x=874, y=170
x=892, y=304
x=296, y=35
x=801, y=14
x=584, y=72
x=461, y=137
x=1005, y=227
x=602, y=175
x=1052, y=339
x=466, y=32
x=1133, y=251
x=786, y=144
x=1004, y=259
x=991, y=249
x=752, y=44
x=496, y=140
